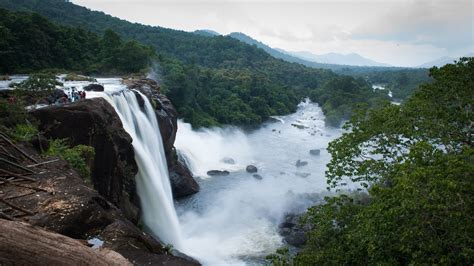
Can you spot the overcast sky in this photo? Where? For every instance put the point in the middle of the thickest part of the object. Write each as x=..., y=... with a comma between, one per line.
x=397, y=32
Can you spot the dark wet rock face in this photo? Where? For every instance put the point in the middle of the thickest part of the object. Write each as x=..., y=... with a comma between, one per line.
x=94, y=122
x=251, y=169
x=94, y=87
x=182, y=181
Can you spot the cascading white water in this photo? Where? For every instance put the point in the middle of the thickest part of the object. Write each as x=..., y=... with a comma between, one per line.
x=153, y=185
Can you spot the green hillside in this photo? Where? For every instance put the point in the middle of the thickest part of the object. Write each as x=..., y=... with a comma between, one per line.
x=211, y=80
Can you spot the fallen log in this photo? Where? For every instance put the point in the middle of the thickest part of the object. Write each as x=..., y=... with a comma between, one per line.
x=23, y=244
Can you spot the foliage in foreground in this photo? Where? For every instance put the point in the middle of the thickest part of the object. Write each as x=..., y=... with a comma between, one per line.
x=79, y=157
x=417, y=161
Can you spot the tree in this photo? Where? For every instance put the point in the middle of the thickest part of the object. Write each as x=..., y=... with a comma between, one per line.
x=417, y=162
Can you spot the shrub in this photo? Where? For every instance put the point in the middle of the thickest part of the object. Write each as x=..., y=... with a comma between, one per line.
x=80, y=157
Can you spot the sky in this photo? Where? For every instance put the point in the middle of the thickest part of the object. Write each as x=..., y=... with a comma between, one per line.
x=395, y=32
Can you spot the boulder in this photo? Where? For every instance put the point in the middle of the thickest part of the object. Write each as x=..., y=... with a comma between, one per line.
x=228, y=160
x=251, y=169
x=218, y=172
x=301, y=163
x=94, y=122
x=182, y=181
x=315, y=152
x=94, y=87
x=257, y=176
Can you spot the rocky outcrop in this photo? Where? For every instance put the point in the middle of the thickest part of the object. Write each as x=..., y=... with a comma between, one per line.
x=94, y=122
x=55, y=198
x=182, y=181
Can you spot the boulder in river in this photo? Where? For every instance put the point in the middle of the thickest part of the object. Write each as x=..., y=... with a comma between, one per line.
x=301, y=163
x=315, y=152
x=218, y=172
x=257, y=176
x=251, y=169
x=228, y=160
x=94, y=87
x=181, y=179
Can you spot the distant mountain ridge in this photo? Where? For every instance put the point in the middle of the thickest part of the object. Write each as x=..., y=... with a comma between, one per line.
x=329, y=61
x=352, y=59
x=442, y=61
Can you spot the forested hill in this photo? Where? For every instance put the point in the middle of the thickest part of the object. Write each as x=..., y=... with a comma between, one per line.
x=216, y=80
x=29, y=43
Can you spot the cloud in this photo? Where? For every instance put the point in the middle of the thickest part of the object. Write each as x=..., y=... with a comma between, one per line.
x=441, y=23
x=398, y=32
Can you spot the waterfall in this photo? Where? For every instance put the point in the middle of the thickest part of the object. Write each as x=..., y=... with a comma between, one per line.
x=153, y=185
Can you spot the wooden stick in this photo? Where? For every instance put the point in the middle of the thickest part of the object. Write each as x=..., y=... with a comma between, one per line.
x=16, y=148
x=7, y=152
x=20, y=195
x=38, y=164
x=17, y=175
x=12, y=182
x=17, y=207
x=16, y=165
x=5, y=216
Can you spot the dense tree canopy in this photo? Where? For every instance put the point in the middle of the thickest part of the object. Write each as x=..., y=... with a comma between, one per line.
x=30, y=43
x=417, y=161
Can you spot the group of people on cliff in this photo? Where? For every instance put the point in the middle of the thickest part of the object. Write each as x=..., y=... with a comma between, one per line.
x=60, y=97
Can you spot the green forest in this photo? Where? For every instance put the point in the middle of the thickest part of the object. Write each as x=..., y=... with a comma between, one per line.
x=417, y=162
x=31, y=43
x=211, y=80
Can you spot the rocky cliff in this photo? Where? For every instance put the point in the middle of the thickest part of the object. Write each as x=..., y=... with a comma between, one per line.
x=95, y=123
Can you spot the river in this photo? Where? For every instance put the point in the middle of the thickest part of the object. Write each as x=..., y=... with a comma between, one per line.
x=234, y=219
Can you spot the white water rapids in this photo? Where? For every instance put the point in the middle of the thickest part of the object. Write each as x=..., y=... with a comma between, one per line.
x=234, y=219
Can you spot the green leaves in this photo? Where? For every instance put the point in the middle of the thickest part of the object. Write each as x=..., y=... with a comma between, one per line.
x=417, y=163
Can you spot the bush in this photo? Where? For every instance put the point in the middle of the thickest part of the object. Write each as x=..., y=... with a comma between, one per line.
x=24, y=132
x=80, y=157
